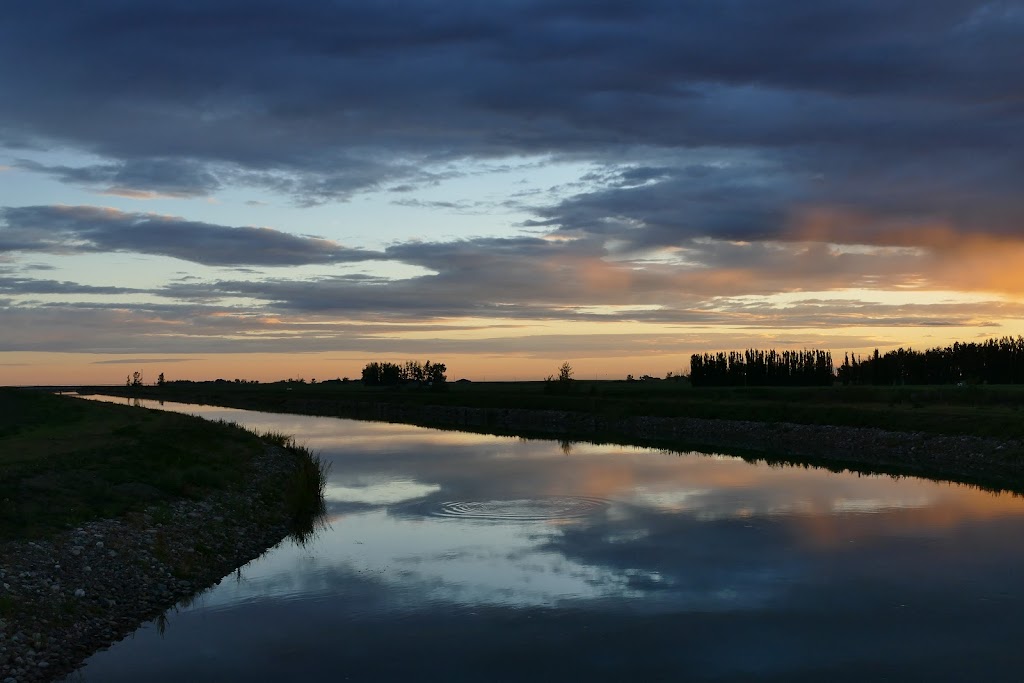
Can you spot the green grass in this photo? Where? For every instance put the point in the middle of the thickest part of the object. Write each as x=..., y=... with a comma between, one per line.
x=64, y=461
x=279, y=439
x=304, y=493
x=971, y=410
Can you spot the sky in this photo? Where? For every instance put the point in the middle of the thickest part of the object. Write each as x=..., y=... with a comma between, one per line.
x=268, y=190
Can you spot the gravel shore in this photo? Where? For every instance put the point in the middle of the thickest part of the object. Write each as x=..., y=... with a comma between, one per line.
x=65, y=598
x=988, y=462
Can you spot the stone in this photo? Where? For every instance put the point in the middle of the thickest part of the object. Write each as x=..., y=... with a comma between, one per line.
x=38, y=572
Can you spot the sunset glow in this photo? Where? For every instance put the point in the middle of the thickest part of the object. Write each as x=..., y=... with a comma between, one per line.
x=501, y=187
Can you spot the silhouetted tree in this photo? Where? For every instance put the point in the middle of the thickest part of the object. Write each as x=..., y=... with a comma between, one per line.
x=755, y=367
x=435, y=374
x=561, y=384
x=995, y=361
x=565, y=372
x=392, y=374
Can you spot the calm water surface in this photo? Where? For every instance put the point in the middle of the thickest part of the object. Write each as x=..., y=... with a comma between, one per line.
x=452, y=556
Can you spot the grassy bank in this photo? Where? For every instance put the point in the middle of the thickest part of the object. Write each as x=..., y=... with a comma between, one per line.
x=65, y=461
x=987, y=411
x=113, y=514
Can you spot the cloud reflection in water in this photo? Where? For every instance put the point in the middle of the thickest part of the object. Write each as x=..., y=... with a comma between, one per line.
x=712, y=562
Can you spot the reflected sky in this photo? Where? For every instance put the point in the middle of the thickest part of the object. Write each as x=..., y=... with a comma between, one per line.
x=465, y=550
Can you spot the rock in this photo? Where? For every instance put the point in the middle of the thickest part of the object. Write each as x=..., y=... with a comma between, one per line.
x=136, y=489
x=37, y=577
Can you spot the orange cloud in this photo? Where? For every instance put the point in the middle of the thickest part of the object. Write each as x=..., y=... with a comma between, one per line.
x=983, y=264
x=843, y=225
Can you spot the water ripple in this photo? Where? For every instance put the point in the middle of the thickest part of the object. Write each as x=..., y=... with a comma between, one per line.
x=550, y=508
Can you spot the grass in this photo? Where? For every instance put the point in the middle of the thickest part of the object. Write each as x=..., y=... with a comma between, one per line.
x=972, y=410
x=303, y=491
x=64, y=461
x=280, y=439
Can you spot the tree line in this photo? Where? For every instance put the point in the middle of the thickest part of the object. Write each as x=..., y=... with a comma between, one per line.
x=393, y=374
x=995, y=361
x=762, y=368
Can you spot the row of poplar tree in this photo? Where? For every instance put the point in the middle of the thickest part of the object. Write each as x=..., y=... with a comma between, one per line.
x=995, y=361
x=756, y=367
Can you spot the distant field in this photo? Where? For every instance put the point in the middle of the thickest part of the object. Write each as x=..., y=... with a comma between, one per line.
x=980, y=410
x=64, y=460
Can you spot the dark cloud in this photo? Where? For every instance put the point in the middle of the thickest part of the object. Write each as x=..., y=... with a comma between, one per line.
x=136, y=177
x=15, y=285
x=86, y=229
x=324, y=100
x=922, y=202
x=740, y=201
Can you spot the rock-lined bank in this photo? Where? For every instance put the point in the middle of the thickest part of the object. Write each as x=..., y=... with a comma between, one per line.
x=989, y=462
x=64, y=598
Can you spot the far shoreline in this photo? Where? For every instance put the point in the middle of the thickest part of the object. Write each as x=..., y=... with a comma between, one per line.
x=991, y=462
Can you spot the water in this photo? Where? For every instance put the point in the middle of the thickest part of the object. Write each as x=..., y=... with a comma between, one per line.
x=453, y=556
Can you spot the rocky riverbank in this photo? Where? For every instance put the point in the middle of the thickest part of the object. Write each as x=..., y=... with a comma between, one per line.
x=995, y=463
x=988, y=462
x=968, y=457
x=64, y=598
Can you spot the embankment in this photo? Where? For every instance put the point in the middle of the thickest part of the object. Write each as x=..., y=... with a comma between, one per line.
x=992, y=463
x=67, y=596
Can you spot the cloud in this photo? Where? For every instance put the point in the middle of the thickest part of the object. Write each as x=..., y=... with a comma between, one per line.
x=134, y=361
x=302, y=320
x=21, y=286
x=579, y=279
x=136, y=178
x=342, y=98
x=938, y=201
x=706, y=283
x=729, y=150
x=87, y=229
